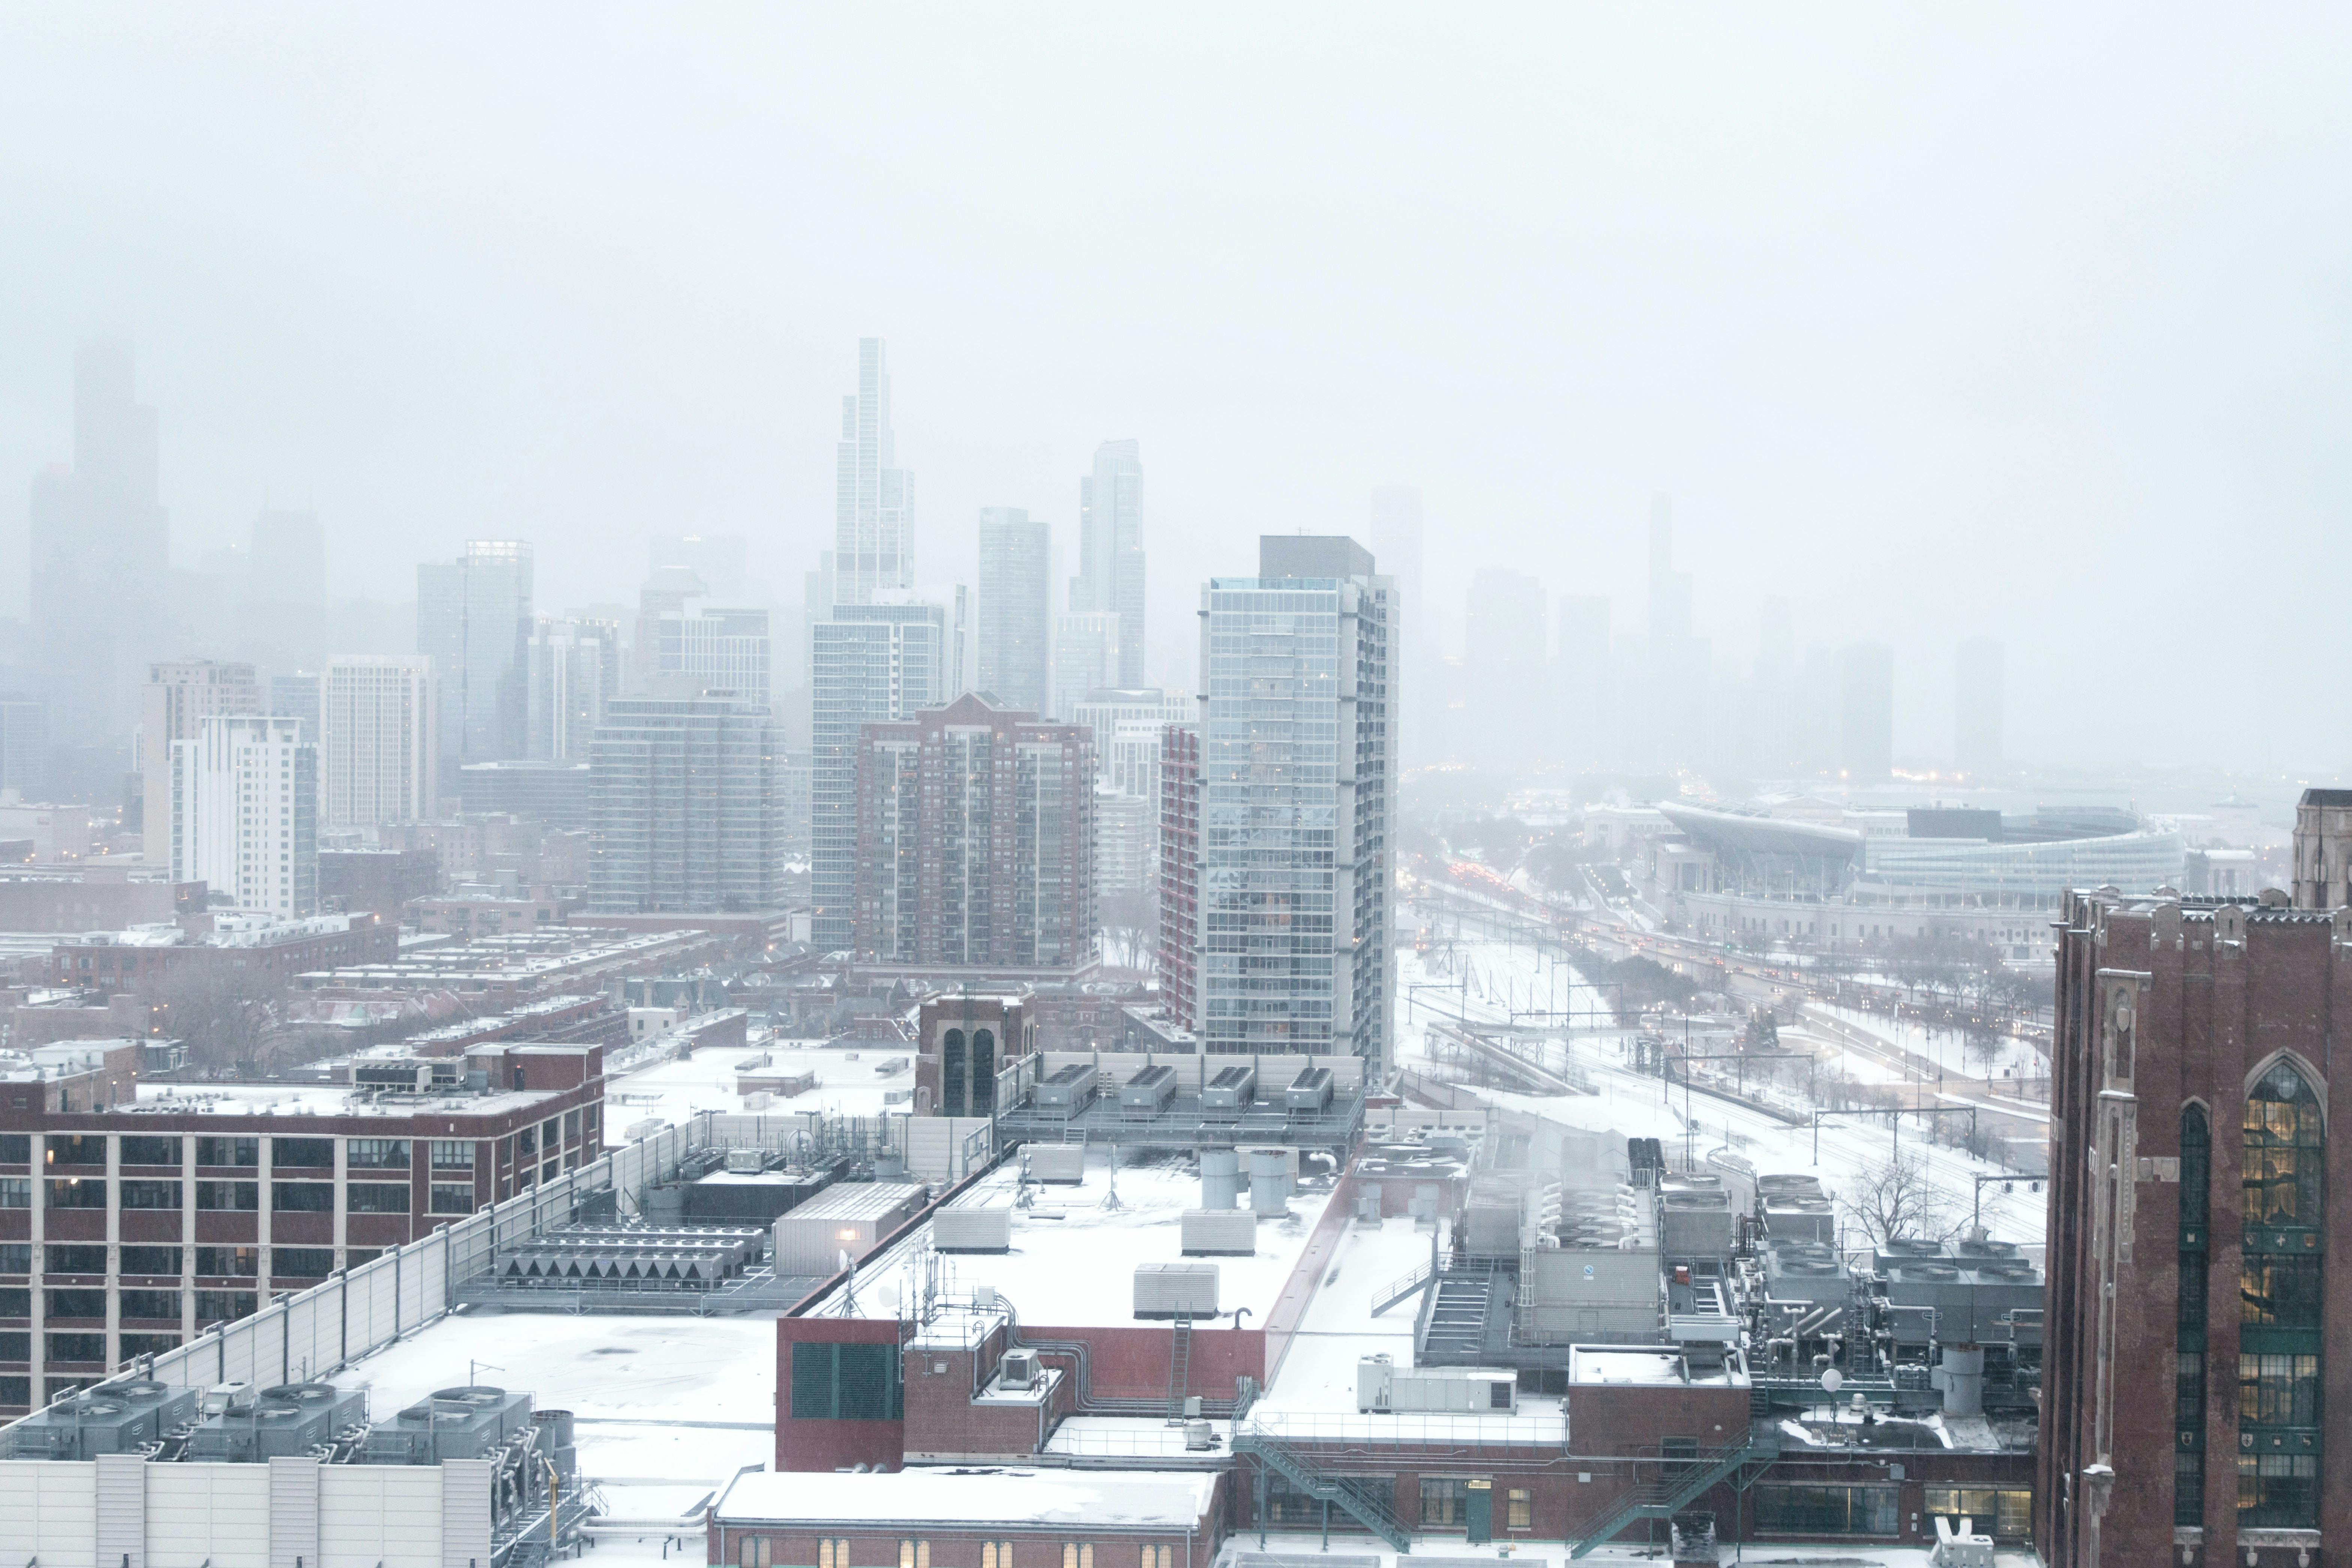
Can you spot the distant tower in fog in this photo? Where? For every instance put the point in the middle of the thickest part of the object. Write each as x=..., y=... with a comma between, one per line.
x=1977, y=707
x=873, y=498
x=1016, y=600
x=1866, y=691
x=1580, y=680
x=1110, y=551
x=1502, y=650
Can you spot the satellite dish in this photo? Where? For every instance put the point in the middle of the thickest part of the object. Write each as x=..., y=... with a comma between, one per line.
x=1832, y=1380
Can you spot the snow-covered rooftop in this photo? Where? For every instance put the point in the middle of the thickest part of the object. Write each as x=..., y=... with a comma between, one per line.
x=1133, y=1499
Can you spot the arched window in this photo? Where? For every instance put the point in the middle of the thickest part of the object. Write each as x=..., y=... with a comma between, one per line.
x=951, y=1073
x=2279, y=1295
x=2188, y=1361
x=983, y=1072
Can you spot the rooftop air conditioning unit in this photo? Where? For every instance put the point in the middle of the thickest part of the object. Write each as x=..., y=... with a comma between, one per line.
x=1018, y=1369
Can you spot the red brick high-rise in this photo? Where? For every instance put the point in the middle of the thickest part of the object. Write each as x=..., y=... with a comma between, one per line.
x=1180, y=873
x=2194, y=1254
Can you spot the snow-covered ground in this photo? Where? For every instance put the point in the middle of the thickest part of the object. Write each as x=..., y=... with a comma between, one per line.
x=1629, y=1104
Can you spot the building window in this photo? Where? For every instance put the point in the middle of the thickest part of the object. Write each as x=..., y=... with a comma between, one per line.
x=228, y=1262
x=449, y=1199
x=452, y=1154
x=2281, y=1301
x=1078, y=1554
x=833, y=1554
x=77, y=1347
x=229, y=1152
x=1158, y=1557
x=151, y=1260
x=149, y=1195
x=16, y=1148
x=76, y=1304
x=1522, y=1509
x=376, y=1197
x=243, y=1197
x=77, y=1193
x=2006, y=1513
x=301, y=1197
x=756, y=1549
x=223, y=1306
x=79, y=1149
x=2188, y=1361
x=150, y=1150
x=15, y=1192
x=1829, y=1510
x=74, y=1258
x=301, y=1262
x=148, y=1344
x=316, y=1153
x=1442, y=1501
x=914, y=1555
x=844, y=1382
x=377, y=1154
x=16, y=1347
x=161, y=1306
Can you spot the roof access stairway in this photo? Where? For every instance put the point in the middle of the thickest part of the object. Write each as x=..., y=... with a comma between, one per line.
x=1357, y=1496
x=1680, y=1482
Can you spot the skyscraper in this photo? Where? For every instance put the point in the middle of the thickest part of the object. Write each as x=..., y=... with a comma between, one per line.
x=1016, y=598
x=1298, y=777
x=473, y=621
x=180, y=694
x=713, y=650
x=378, y=739
x=1087, y=657
x=1502, y=644
x=1580, y=720
x=244, y=814
x=1180, y=873
x=100, y=545
x=1675, y=660
x=1110, y=551
x=1125, y=726
x=574, y=670
x=24, y=746
x=1420, y=682
x=868, y=663
x=1866, y=708
x=873, y=498
x=281, y=614
x=686, y=808
x=1977, y=709
x=296, y=696
x=975, y=841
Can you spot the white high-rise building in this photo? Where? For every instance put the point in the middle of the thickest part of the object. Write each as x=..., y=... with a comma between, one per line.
x=873, y=498
x=1298, y=780
x=576, y=670
x=868, y=664
x=180, y=694
x=245, y=814
x=379, y=739
x=1127, y=725
x=1086, y=656
x=713, y=650
x=1110, y=551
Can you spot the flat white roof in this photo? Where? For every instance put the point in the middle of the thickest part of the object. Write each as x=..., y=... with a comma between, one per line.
x=1133, y=1499
x=1075, y=1253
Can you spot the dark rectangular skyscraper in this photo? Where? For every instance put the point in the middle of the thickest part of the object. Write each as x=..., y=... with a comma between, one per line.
x=1978, y=701
x=1110, y=550
x=1016, y=600
x=99, y=558
x=474, y=620
x=1866, y=708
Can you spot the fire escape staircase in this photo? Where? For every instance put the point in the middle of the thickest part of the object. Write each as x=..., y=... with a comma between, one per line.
x=1681, y=1482
x=1358, y=1497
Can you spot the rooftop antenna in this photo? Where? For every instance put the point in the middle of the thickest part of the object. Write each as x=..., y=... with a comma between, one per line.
x=1110, y=1200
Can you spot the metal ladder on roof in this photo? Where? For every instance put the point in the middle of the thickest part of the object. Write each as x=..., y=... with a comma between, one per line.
x=1179, y=1365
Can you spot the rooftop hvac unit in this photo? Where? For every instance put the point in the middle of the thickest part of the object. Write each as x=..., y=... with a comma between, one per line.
x=1064, y=1163
x=1384, y=1387
x=973, y=1230
x=452, y=1423
x=1221, y=1232
x=1070, y=1089
x=401, y=1077
x=1149, y=1090
x=1199, y=1436
x=284, y=1422
x=747, y=1161
x=1018, y=1369
x=120, y=1418
x=1176, y=1291
x=1233, y=1089
x=1221, y=1178
x=1309, y=1092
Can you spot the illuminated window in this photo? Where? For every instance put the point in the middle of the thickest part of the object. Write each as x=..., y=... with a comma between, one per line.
x=833, y=1554
x=914, y=1555
x=1522, y=1509
x=1075, y=1555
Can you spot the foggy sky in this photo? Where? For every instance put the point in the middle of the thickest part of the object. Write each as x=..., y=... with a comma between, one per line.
x=2002, y=321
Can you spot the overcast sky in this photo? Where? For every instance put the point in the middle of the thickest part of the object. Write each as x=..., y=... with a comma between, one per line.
x=2030, y=320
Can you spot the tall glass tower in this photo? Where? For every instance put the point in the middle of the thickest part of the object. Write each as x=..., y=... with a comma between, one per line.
x=873, y=498
x=868, y=664
x=474, y=621
x=1297, y=779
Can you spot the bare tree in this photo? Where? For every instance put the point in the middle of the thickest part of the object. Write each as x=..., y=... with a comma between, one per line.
x=1131, y=928
x=225, y=1015
x=1897, y=1198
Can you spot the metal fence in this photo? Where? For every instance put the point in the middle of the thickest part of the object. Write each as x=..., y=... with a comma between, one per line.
x=360, y=1309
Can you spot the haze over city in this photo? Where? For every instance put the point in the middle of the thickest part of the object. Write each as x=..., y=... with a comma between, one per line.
x=2016, y=324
